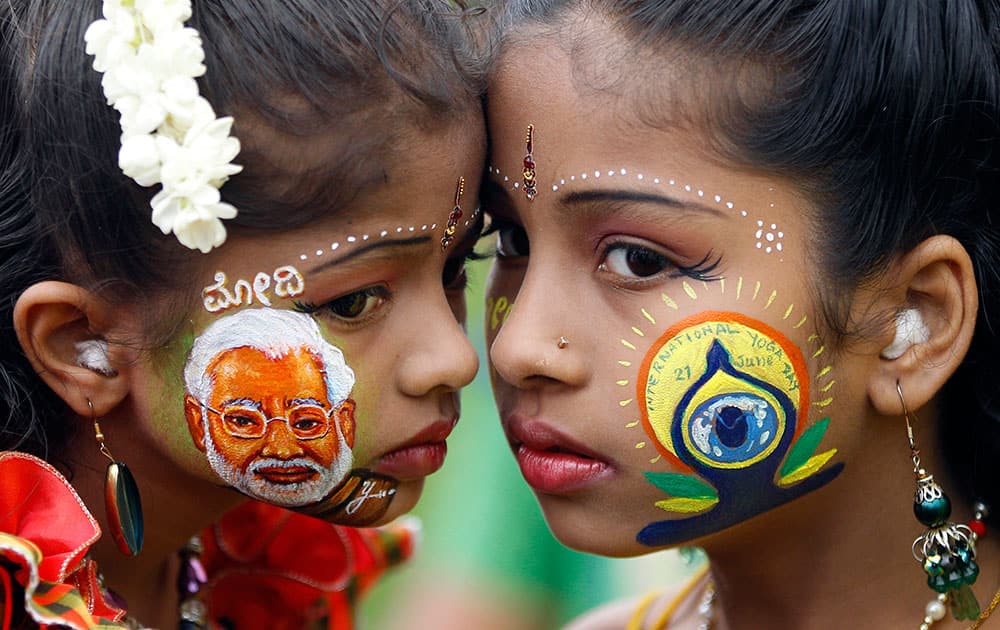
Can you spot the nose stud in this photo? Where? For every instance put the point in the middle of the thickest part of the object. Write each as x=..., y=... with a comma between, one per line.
x=562, y=343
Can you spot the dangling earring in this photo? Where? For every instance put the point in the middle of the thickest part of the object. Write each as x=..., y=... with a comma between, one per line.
x=122, y=503
x=528, y=173
x=947, y=550
x=456, y=214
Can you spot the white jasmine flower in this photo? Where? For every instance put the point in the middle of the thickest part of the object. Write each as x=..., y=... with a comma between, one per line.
x=139, y=158
x=170, y=134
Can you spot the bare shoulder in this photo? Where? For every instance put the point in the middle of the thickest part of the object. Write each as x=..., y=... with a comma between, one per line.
x=616, y=615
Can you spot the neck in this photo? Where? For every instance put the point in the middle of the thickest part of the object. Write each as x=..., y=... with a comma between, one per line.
x=175, y=506
x=841, y=556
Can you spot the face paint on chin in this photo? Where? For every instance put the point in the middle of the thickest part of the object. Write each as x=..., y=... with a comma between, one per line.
x=725, y=399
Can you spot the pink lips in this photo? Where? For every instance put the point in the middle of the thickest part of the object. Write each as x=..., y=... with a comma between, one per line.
x=551, y=462
x=421, y=455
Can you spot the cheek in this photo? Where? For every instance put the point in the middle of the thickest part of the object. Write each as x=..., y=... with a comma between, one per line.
x=501, y=289
x=370, y=415
x=728, y=406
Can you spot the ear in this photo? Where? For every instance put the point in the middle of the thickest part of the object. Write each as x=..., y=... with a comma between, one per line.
x=196, y=425
x=63, y=331
x=345, y=416
x=937, y=280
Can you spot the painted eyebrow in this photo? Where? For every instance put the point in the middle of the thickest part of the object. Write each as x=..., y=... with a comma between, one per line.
x=242, y=402
x=570, y=201
x=406, y=242
x=304, y=401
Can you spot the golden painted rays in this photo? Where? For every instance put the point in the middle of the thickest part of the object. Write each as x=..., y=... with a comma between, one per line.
x=746, y=297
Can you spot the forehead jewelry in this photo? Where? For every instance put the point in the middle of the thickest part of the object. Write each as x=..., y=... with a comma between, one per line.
x=454, y=216
x=562, y=343
x=529, y=166
x=946, y=550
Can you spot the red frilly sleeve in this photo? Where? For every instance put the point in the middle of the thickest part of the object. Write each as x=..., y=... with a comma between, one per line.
x=272, y=568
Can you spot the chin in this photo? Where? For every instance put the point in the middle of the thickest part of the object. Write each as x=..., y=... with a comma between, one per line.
x=580, y=528
x=405, y=499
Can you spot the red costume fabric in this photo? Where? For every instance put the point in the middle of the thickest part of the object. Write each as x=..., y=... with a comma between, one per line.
x=267, y=567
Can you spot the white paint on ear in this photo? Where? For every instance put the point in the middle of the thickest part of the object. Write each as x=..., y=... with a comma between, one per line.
x=910, y=329
x=93, y=355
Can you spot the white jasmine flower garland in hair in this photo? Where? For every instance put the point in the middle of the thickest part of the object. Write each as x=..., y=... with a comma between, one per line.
x=170, y=134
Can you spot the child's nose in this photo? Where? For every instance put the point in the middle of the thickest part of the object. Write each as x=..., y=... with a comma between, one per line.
x=441, y=355
x=542, y=339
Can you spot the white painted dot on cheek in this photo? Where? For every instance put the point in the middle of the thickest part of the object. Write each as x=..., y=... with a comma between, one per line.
x=759, y=245
x=671, y=182
x=656, y=180
x=774, y=227
x=423, y=228
x=352, y=239
x=778, y=246
x=562, y=182
x=554, y=188
x=743, y=212
x=687, y=187
x=611, y=173
x=365, y=237
x=383, y=233
x=758, y=233
x=399, y=229
x=411, y=228
x=517, y=185
x=718, y=199
x=303, y=257
x=506, y=179
x=583, y=176
x=781, y=235
x=572, y=178
x=768, y=250
x=770, y=237
x=701, y=193
x=623, y=172
x=639, y=176
x=334, y=246
x=597, y=173
x=729, y=204
x=319, y=252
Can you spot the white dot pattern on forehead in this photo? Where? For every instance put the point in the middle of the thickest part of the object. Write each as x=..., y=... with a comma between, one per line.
x=768, y=239
x=384, y=233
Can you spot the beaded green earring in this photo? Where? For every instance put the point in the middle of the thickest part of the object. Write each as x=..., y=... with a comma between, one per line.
x=122, y=503
x=946, y=550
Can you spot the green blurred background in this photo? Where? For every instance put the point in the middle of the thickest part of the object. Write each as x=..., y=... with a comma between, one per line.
x=486, y=559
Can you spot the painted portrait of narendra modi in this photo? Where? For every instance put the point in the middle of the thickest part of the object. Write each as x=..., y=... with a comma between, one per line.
x=267, y=399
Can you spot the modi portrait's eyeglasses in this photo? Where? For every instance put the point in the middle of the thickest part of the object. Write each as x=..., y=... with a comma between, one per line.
x=306, y=422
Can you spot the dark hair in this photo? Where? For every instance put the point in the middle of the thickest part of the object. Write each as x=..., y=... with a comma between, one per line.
x=886, y=113
x=366, y=73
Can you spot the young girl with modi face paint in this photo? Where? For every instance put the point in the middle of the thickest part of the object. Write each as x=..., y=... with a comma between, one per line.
x=742, y=247
x=288, y=327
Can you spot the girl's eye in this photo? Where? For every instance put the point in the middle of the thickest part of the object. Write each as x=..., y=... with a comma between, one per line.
x=634, y=261
x=351, y=307
x=357, y=304
x=453, y=277
x=512, y=241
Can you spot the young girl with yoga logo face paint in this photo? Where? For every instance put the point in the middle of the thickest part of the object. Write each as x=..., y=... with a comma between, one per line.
x=740, y=250
x=234, y=246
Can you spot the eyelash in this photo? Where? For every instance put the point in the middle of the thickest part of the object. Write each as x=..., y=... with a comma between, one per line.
x=701, y=270
x=327, y=308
